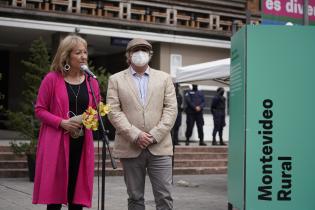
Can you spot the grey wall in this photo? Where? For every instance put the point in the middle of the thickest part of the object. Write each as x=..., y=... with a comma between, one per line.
x=190, y=54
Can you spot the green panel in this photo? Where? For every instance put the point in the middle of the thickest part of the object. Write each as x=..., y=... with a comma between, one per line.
x=237, y=122
x=280, y=70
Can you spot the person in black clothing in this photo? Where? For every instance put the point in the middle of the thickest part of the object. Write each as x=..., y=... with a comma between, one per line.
x=195, y=103
x=218, y=112
x=178, y=121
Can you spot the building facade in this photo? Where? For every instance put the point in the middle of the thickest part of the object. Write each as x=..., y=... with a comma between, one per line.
x=182, y=32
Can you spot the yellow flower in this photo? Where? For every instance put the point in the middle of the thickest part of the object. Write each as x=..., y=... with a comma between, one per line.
x=89, y=119
x=94, y=125
x=103, y=109
x=91, y=111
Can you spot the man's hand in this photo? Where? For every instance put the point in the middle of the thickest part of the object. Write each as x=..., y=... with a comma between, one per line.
x=198, y=109
x=144, y=140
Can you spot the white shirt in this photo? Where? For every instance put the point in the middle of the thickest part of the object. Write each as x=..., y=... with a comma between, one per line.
x=141, y=82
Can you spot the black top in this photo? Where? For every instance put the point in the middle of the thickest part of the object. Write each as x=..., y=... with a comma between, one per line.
x=192, y=99
x=79, y=105
x=218, y=104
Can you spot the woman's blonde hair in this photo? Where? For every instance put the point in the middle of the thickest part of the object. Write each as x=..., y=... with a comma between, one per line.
x=62, y=55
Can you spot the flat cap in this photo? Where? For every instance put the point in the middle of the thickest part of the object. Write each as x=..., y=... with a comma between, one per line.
x=137, y=42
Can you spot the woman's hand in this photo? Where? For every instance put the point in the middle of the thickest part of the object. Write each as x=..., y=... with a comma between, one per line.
x=70, y=125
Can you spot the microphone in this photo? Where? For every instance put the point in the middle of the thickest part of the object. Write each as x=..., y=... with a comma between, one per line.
x=86, y=69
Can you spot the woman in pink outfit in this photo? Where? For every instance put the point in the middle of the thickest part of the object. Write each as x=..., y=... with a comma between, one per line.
x=65, y=152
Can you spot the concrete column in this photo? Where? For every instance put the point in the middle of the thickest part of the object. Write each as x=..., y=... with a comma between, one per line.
x=70, y=6
x=78, y=7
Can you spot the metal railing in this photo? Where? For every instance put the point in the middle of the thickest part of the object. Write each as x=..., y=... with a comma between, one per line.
x=141, y=11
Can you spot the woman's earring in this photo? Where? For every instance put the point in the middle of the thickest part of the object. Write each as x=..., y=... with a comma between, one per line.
x=66, y=68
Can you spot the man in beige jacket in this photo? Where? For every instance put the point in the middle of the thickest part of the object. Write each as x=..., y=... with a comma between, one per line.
x=143, y=111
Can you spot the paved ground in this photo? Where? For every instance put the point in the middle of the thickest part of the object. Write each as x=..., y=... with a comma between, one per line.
x=198, y=192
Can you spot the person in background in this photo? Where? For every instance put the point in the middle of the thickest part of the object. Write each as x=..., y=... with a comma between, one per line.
x=178, y=121
x=195, y=103
x=218, y=111
x=65, y=151
x=143, y=111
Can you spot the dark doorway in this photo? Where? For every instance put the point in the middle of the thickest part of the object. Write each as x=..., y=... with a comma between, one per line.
x=4, y=71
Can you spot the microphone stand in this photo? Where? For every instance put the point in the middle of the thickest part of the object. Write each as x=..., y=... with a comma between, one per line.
x=105, y=144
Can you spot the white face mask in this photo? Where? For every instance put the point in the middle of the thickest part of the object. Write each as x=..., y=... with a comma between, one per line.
x=140, y=58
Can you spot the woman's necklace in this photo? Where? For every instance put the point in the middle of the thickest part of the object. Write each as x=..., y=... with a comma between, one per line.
x=76, y=97
x=75, y=94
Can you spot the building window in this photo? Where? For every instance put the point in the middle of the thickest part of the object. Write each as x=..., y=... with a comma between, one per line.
x=176, y=61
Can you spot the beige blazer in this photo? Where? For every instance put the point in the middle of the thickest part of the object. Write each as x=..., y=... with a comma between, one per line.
x=130, y=117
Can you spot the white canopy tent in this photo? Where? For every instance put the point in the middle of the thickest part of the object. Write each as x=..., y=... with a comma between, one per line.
x=215, y=73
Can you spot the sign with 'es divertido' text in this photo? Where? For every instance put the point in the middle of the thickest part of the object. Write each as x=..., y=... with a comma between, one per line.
x=283, y=11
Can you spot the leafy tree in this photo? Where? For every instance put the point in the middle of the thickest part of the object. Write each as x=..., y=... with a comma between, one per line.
x=24, y=120
x=102, y=77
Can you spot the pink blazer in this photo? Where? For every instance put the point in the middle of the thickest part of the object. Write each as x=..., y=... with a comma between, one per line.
x=52, y=157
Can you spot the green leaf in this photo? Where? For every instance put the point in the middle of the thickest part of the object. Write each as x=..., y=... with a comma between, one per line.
x=24, y=121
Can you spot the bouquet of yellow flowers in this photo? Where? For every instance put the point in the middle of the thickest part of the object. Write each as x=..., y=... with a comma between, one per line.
x=90, y=118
